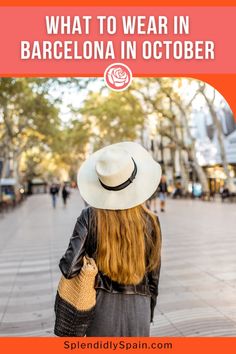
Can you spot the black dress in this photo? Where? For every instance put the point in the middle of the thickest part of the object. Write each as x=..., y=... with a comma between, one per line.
x=120, y=315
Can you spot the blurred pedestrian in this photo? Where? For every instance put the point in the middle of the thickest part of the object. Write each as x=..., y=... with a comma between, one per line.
x=225, y=193
x=65, y=194
x=54, y=190
x=163, y=189
x=178, y=193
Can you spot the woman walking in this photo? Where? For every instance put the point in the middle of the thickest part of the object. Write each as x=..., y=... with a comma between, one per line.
x=163, y=192
x=65, y=194
x=123, y=237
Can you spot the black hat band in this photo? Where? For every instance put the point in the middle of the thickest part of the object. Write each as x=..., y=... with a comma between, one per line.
x=124, y=184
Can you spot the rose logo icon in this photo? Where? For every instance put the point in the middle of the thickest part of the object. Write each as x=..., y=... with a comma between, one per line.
x=118, y=76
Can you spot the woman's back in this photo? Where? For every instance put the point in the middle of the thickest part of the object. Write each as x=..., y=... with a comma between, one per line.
x=128, y=243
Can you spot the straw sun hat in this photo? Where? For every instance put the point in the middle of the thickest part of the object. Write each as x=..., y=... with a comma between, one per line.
x=118, y=176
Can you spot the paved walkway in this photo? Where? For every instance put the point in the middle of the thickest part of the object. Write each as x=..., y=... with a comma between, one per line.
x=198, y=278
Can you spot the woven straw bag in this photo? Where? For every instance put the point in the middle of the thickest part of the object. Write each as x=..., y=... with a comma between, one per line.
x=75, y=301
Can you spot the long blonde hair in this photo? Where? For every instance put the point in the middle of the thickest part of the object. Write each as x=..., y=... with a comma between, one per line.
x=126, y=246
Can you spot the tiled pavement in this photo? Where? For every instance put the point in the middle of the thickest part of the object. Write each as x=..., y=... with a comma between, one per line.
x=198, y=277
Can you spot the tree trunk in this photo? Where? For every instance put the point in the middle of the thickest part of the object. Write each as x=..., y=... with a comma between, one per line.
x=193, y=155
x=184, y=172
x=173, y=170
x=184, y=176
x=199, y=170
x=219, y=130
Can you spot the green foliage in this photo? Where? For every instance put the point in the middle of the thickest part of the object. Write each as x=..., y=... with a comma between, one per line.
x=27, y=117
x=114, y=117
x=72, y=145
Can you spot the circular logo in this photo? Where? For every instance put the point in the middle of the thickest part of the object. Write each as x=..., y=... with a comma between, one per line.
x=118, y=76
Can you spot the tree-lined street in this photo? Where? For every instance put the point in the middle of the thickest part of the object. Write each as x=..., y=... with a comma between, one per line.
x=198, y=278
x=49, y=126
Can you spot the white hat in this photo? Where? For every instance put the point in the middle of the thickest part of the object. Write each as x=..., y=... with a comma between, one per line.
x=118, y=176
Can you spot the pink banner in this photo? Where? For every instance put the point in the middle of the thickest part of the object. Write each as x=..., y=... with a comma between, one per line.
x=177, y=40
